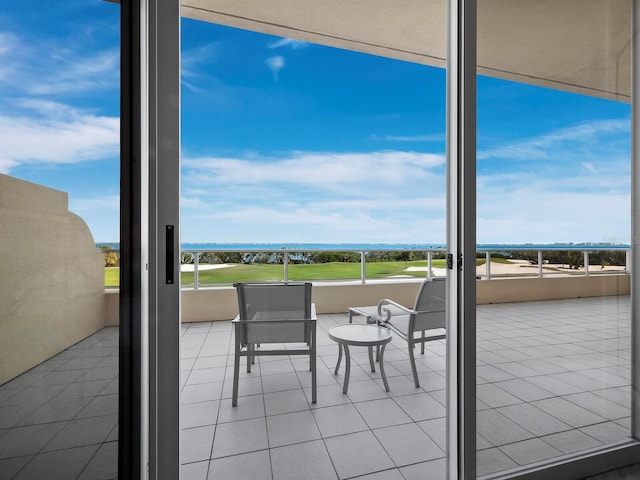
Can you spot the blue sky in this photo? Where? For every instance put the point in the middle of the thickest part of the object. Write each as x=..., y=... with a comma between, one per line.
x=285, y=141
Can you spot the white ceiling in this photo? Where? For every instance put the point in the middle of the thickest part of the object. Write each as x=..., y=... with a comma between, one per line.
x=581, y=46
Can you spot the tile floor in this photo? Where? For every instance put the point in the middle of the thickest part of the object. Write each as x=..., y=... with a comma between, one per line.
x=553, y=378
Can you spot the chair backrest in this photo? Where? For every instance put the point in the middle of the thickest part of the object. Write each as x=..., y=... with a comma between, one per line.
x=431, y=299
x=274, y=302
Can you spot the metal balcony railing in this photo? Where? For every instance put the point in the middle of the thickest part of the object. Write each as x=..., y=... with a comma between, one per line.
x=540, y=261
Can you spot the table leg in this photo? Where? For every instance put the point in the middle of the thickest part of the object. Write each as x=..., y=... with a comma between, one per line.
x=384, y=377
x=347, y=361
x=373, y=367
x=339, y=359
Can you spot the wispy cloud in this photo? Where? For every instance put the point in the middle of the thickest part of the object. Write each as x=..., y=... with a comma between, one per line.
x=326, y=196
x=275, y=64
x=583, y=141
x=48, y=132
x=289, y=43
x=427, y=138
x=39, y=68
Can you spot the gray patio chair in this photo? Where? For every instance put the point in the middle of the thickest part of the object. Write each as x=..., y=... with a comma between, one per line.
x=274, y=313
x=423, y=323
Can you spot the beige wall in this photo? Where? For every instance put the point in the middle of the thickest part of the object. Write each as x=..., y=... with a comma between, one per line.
x=52, y=282
x=209, y=304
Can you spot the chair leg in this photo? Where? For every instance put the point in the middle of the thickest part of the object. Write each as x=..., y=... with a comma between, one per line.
x=312, y=361
x=422, y=345
x=250, y=358
x=236, y=374
x=413, y=364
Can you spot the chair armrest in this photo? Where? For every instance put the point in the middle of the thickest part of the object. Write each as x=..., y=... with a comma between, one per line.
x=384, y=314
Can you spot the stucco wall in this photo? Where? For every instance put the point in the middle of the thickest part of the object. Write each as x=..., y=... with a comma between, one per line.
x=209, y=304
x=52, y=282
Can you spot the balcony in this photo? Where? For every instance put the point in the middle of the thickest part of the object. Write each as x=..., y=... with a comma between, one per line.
x=545, y=388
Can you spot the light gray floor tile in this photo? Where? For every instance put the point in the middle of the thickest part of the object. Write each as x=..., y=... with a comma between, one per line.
x=524, y=390
x=22, y=441
x=327, y=395
x=59, y=465
x=367, y=389
x=357, y=454
x=206, y=375
x=196, y=443
x=81, y=432
x=533, y=419
x=57, y=409
x=246, y=386
x=201, y=393
x=248, y=466
x=308, y=460
x=392, y=474
x=285, y=402
x=275, y=366
x=492, y=374
x=248, y=407
x=607, y=432
x=382, y=413
x=494, y=396
x=569, y=412
x=421, y=406
x=498, y=429
x=407, y=444
x=433, y=470
x=599, y=405
x=100, y=405
x=571, y=441
x=493, y=460
x=280, y=382
x=194, y=471
x=210, y=362
x=199, y=414
x=290, y=428
x=530, y=451
x=240, y=437
x=103, y=465
x=436, y=429
x=338, y=420
x=10, y=466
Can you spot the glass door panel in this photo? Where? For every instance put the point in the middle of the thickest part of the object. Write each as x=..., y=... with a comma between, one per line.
x=553, y=198
x=59, y=211
x=337, y=156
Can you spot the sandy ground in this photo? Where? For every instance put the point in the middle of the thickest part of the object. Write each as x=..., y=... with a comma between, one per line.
x=188, y=267
x=523, y=267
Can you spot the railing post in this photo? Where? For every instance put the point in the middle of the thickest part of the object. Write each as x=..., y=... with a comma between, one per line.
x=196, y=263
x=285, y=262
x=487, y=261
x=586, y=263
x=362, y=267
x=429, y=263
x=540, y=261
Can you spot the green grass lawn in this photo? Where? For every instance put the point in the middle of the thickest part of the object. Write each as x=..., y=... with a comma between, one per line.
x=314, y=271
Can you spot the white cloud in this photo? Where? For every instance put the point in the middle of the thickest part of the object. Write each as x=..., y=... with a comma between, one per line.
x=290, y=43
x=316, y=196
x=579, y=142
x=43, y=67
x=275, y=64
x=56, y=133
x=433, y=137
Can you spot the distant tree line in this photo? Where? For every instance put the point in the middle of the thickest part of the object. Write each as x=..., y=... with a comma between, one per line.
x=306, y=257
x=572, y=259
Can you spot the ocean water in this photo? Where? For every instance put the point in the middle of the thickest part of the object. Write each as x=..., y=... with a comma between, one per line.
x=274, y=247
